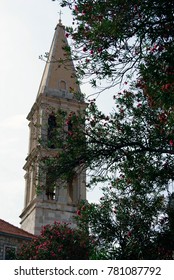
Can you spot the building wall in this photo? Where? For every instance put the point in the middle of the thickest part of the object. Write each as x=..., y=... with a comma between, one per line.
x=28, y=219
x=46, y=212
x=54, y=211
x=9, y=242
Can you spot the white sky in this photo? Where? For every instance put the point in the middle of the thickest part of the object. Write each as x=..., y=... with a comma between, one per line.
x=26, y=31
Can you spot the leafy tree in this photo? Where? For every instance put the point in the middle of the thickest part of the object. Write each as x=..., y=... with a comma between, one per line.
x=57, y=242
x=131, y=153
x=113, y=37
x=135, y=139
x=130, y=150
x=128, y=225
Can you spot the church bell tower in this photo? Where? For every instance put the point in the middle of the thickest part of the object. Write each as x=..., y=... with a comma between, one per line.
x=56, y=92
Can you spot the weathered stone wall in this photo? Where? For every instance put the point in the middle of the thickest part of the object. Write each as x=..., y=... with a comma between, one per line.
x=50, y=212
x=9, y=241
x=28, y=218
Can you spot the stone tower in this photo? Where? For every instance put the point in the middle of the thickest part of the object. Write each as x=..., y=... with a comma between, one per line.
x=56, y=91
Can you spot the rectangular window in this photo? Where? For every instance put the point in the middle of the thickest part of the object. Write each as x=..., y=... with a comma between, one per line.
x=9, y=252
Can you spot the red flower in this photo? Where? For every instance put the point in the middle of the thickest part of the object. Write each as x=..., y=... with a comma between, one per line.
x=162, y=117
x=99, y=50
x=166, y=87
x=78, y=212
x=53, y=254
x=171, y=142
x=83, y=208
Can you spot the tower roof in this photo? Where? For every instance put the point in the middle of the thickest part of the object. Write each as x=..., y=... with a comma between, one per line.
x=59, y=74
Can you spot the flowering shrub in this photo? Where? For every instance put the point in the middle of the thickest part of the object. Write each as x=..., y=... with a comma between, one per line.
x=57, y=242
x=129, y=226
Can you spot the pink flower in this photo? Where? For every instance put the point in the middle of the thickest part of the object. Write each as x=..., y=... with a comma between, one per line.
x=166, y=87
x=83, y=208
x=53, y=254
x=171, y=142
x=99, y=50
x=78, y=212
x=76, y=8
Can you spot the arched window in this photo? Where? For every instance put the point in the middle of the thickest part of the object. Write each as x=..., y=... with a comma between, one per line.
x=50, y=183
x=70, y=126
x=63, y=85
x=71, y=192
x=70, y=123
x=52, y=125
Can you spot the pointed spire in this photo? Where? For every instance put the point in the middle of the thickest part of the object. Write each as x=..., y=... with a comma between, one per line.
x=59, y=77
